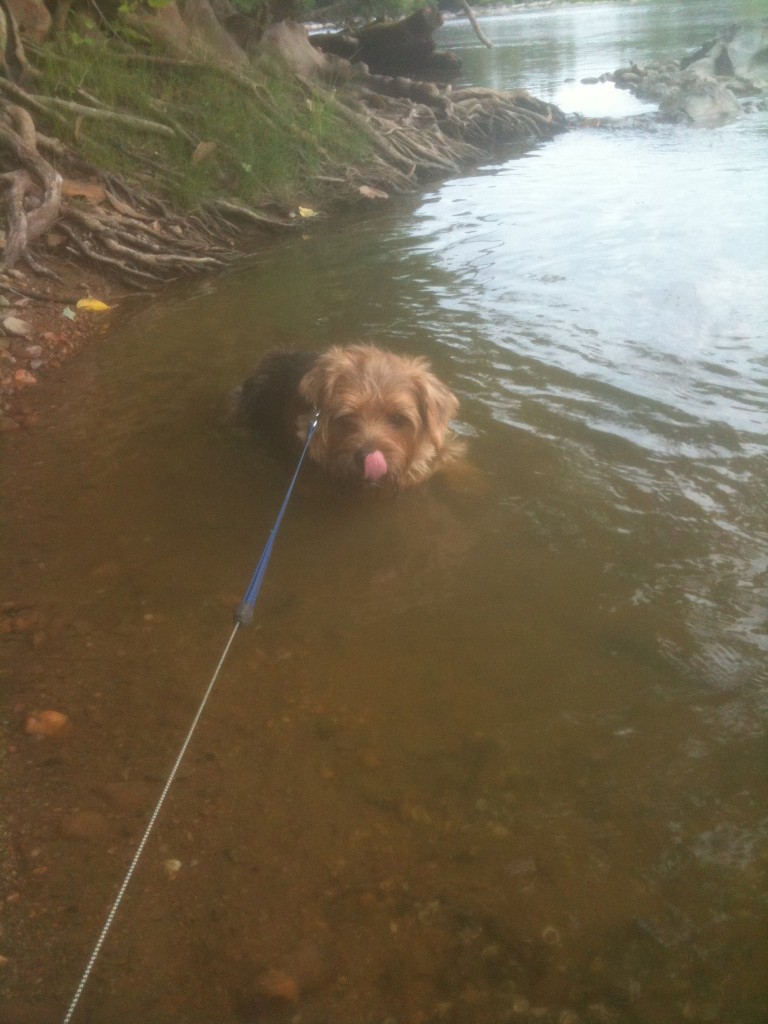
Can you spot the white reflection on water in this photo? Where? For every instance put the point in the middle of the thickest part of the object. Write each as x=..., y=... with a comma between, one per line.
x=602, y=255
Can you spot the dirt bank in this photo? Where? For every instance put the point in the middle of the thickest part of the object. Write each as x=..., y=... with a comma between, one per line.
x=40, y=327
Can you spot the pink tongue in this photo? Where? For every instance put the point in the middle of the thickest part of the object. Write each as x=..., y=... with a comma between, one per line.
x=375, y=466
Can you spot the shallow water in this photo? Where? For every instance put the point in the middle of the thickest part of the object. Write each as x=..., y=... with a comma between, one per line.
x=481, y=757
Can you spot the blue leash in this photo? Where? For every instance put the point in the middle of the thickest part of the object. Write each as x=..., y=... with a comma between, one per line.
x=243, y=617
x=244, y=611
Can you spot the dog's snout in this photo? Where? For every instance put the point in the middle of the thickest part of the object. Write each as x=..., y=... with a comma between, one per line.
x=362, y=452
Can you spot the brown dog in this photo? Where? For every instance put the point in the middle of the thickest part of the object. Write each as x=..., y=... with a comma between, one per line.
x=384, y=418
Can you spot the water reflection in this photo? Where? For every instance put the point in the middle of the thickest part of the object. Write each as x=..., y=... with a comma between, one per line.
x=545, y=51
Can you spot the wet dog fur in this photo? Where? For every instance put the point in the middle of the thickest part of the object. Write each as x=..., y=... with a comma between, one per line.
x=384, y=418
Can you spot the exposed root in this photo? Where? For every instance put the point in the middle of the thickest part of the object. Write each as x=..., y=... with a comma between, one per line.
x=34, y=194
x=416, y=131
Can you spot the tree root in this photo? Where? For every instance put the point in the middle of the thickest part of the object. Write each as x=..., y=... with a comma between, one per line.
x=30, y=213
x=415, y=131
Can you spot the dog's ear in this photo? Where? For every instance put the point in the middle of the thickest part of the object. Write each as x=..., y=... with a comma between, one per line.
x=437, y=406
x=317, y=385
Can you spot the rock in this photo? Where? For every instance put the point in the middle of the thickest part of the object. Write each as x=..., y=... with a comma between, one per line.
x=307, y=968
x=278, y=986
x=701, y=99
x=702, y=88
x=18, y=328
x=172, y=867
x=47, y=723
x=747, y=50
x=739, y=51
x=23, y=378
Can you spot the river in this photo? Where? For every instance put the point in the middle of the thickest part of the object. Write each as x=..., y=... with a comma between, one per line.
x=482, y=757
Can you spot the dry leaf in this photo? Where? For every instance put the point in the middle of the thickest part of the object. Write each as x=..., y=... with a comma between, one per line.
x=368, y=192
x=88, y=190
x=202, y=150
x=305, y=211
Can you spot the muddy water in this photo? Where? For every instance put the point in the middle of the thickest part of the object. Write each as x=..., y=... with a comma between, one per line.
x=482, y=757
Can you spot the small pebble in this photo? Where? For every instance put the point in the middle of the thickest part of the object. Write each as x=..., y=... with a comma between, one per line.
x=278, y=985
x=172, y=868
x=551, y=935
x=23, y=378
x=47, y=723
x=19, y=328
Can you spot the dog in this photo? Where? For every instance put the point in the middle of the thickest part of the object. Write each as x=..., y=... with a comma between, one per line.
x=384, y=419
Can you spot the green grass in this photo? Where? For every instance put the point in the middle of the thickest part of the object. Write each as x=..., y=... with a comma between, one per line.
x=268, y=144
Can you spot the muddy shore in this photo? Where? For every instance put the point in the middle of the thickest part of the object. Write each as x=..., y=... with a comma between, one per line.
x=41, y=326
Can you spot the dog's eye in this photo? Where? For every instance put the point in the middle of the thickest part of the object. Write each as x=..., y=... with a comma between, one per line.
x=399, y=421
x=346, y=421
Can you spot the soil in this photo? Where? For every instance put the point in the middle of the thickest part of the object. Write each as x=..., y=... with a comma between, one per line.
x=40, y=327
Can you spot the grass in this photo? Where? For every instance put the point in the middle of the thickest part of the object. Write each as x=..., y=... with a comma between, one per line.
x=265, y=141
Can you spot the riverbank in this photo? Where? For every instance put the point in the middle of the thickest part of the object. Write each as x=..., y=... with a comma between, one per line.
x=127, y=228
x=137, y=188
x=42, y=327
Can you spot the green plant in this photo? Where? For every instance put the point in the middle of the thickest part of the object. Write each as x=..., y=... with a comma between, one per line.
x=261, y=136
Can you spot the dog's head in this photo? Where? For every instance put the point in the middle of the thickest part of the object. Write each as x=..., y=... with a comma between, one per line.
x=383, y=417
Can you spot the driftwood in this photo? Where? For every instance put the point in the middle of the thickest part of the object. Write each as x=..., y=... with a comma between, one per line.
x=474, y=23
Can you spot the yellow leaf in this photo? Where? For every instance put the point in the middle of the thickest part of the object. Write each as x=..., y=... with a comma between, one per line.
x=94, y=305
x=305, y=211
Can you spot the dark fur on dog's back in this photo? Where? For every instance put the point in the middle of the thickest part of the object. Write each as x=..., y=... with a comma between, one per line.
x=383, y=418
x=269, y=401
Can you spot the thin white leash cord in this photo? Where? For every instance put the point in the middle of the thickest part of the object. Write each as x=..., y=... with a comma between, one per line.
x=145, y=837
x=243, y=617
